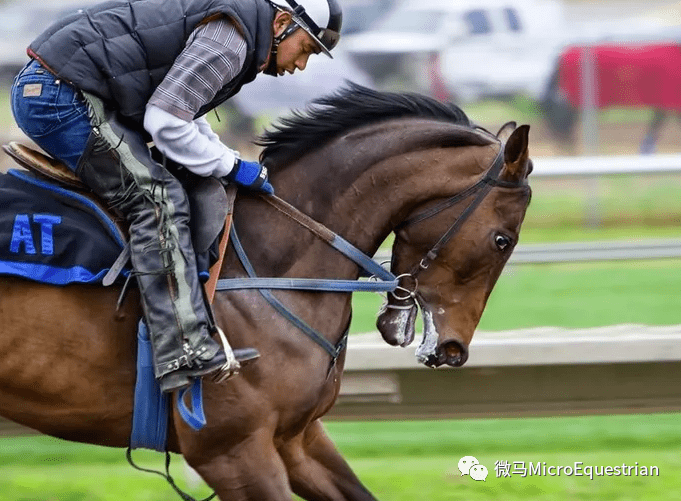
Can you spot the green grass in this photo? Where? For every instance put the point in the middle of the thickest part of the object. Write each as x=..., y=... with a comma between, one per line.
x=398, y=461
x=48, y=469
x=423, y=457
x=627, y=201
x=586, y=295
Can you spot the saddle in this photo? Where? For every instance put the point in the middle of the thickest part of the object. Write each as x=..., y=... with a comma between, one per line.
x=43, y=165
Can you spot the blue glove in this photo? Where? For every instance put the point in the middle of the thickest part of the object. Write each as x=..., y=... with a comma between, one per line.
x=251, y=175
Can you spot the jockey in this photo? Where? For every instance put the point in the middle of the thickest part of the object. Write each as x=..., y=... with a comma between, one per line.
x=105, y=81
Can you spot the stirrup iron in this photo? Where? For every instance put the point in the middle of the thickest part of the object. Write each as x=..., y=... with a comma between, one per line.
x=231, y=366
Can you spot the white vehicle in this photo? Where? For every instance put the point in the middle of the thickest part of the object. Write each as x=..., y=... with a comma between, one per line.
x=507, y=51
x=485, y=47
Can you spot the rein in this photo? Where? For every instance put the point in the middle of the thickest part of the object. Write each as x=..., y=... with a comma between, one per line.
x=333, y=350
x=388, y=283
x=368, y=265
x=381, y=280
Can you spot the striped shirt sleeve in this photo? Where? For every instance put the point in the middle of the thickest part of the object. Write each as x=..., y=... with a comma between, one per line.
x=213, y=56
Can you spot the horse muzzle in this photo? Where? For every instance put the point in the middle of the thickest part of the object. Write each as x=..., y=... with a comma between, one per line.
x=397, y=326
x=433, y=352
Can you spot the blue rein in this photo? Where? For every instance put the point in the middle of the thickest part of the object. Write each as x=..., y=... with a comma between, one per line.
x=389, y=282
x=371, y=267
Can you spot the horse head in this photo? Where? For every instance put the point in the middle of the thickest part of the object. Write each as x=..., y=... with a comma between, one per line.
x=452, y=285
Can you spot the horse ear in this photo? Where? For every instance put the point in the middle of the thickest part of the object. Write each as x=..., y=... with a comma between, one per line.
x=506, y=130
x=515, y=153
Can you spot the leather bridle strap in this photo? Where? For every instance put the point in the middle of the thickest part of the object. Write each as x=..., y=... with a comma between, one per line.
x=482, y=188
x=445, y=204
x=214, y=271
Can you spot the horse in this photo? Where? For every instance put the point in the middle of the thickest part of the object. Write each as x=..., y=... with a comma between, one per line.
x=362, y=163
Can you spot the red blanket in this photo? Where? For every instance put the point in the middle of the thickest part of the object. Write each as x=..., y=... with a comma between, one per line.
x=628, y=75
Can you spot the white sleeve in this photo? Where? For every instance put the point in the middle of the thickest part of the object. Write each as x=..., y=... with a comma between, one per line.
x=206, y=129
x=192, y=144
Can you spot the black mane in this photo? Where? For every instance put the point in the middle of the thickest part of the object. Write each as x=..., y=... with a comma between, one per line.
x=353, y=106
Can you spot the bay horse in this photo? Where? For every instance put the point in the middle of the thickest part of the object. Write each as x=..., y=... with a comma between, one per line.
x=362, y=163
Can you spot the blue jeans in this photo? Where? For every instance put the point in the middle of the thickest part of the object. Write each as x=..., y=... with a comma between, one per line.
x=51, y=113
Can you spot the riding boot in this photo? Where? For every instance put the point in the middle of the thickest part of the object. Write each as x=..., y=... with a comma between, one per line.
x=117, y=166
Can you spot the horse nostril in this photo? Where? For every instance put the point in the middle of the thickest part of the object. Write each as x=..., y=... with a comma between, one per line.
x=433, y=361
x=453, y=353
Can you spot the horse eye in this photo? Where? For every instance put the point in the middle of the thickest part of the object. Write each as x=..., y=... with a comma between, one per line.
x=502, y=242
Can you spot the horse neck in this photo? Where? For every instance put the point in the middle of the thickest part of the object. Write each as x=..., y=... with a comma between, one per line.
x=366, y=182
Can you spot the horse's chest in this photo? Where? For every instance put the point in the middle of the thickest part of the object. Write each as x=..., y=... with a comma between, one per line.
x=315, y=400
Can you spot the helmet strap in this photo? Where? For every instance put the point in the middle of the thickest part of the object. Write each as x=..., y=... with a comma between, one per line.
x=272, y=65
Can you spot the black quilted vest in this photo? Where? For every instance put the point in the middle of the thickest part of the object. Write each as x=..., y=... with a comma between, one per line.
x=121, y=50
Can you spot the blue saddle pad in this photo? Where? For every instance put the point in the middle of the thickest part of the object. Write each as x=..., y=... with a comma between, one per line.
x=53, y=235
x=150, y=413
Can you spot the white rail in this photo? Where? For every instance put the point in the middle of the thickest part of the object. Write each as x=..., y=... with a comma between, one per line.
x=573, y=252
x=606, y=165
x=536, y=346
x=544, y=371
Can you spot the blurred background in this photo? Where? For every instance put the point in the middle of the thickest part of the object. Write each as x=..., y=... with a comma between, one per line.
x=578, y=354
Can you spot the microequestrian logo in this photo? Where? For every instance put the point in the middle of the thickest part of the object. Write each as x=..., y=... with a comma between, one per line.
x=468, y=465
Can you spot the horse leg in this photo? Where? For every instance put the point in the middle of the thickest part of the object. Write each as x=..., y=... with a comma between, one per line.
x=251, y=470
x=317, y=471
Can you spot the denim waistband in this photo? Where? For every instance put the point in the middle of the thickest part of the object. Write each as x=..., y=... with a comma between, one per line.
x=33, y=67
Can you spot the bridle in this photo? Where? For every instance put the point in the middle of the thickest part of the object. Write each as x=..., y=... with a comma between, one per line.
x=480, y=189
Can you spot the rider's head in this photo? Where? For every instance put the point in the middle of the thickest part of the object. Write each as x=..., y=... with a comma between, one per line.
x=301, y=28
